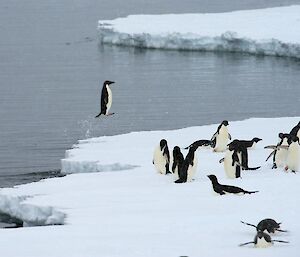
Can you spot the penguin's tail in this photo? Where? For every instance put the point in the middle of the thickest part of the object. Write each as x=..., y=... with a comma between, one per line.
x=250, y=192
x=248, y=224
x=98, y=115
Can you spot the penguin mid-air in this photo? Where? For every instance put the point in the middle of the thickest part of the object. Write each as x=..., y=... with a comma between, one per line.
x=106, y=99
x=189, y=166
x=200, y=143
x=161, y=157
x=279, y=151
x=267, y=225
x=224, y=189
x=293, y=155
x=263, y=240
x=296, y=130
x=178, y=160
x=221, y=137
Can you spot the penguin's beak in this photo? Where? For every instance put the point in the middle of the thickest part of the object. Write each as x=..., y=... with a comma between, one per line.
x=111, y=82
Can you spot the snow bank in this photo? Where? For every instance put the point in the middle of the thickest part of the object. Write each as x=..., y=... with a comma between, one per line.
x=271, y=31
x=138, y=212
x=30, y=215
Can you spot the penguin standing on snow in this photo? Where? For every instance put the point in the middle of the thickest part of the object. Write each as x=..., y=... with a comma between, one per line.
x=279, y=151
x=223, y=189
x=263, y=240
x=106, y=99
x=221, y=137
x=189, y=166
x=161, y=157
x=178, y=160
x=232, y=162
x=293, y=155
x=296, y=130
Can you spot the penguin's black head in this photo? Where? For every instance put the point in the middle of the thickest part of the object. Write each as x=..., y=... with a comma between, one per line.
x=163, y=143
x=108, y=82
x=293, y=139
x=225, y=122
x=233, y=145
x=256, y=139
x=212, y=178
x=283, y=135
x=176, y=150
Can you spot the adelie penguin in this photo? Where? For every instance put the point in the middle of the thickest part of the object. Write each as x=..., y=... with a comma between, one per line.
x=263, y=240
x=161, y=157
x=280, y=151
x=293, y=155
x=189, y=167
x=250, y=143
x=178, y=160
x=106, y=99
x=221, y=137
x=296, y=130
x=267, y=225
x=226, y=189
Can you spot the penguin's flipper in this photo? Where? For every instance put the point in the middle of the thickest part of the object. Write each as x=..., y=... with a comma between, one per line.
x=250, y=192
x=229, y=136
x=281, y=241
x=248, y=224
x=214, y=136
x=98, y=115
x=254, y=168
x=271, y=154
x=246, y=243
x=274, y=147
x=281, y=230
x=222, y=160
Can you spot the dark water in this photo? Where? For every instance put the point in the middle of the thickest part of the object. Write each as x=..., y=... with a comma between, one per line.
x=52, y=68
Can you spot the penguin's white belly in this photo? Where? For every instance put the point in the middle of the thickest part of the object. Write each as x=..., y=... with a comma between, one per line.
x=298, y=134
x=280, y=157
x=192, y=169
x=109, y=102
x=222, y=140
x=159, y=161
x=262, y=243
x=293, y=157
x=229, y=169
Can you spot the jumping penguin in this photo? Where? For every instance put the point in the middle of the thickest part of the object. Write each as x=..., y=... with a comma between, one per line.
x=263, y=240
x=106, y=99
x=267, y=225
x=293, y=155
x=189, y=167
x=223, y=189
x=221, y=137
x=178, y=160
x=279, y=151
x=161, y=157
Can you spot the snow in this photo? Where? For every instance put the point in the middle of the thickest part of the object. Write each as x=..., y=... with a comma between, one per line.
x=271, y=31
x=138, y=212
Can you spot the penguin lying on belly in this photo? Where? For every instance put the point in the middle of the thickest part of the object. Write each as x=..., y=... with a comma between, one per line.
x=223, y=189
x=221, y=137
x=267, y=225
x=263, y=240
x=161, y=157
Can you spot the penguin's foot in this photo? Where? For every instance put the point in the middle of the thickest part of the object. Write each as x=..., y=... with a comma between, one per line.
x=109, y=114
x=274, y=166
x=286, y=168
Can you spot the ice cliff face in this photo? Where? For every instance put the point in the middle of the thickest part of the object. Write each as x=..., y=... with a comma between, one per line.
x=272, y=31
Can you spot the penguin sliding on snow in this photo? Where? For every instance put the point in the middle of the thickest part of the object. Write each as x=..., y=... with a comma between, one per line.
x=223, y=189
x=279, y=151
x=189, y=167
x=267, y=225
x=106, y=99
x=293, y=155
x=263, y=240
x=161, y=157
x=221, y=137
x=178, y=160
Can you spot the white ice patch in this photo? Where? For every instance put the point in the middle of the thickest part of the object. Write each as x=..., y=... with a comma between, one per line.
x=271, y=31
x=31, y=215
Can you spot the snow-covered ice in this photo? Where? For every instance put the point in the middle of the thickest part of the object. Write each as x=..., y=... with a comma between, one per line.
x=138, y=212
x=271, y=31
